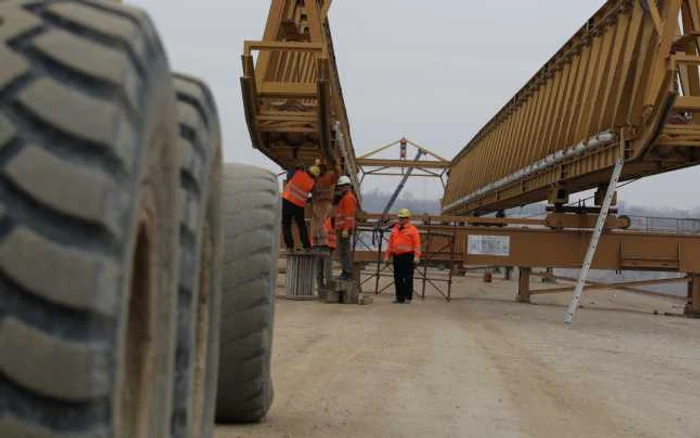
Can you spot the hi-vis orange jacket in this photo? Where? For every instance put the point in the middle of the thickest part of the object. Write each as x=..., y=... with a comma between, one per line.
x=346, y=212
x=404, y=240
x=298, y=188
x=332, y=238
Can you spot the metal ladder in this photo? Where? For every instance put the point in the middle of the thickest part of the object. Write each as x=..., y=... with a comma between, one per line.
x=595, y=239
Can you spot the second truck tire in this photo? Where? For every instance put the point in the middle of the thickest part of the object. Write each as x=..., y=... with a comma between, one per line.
x=251, y=234
x=201, y=254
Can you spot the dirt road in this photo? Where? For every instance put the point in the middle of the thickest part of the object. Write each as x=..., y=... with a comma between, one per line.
x=483, y=366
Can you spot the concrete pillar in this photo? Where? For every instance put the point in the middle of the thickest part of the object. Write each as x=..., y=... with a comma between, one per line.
x=524, y=285
x=692, y=309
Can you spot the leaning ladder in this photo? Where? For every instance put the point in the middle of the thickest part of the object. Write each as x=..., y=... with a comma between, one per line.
x=597, y=232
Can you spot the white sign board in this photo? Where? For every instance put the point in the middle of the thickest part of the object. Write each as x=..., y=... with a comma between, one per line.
x=489, y=245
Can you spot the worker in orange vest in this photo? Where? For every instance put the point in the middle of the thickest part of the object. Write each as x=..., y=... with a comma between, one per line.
x=294, y=198
x=324, y=267
x=345, y=215
x=322, y=199
x=405, y=248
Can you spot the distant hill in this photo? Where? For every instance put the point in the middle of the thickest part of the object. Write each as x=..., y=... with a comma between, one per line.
x=375, y=201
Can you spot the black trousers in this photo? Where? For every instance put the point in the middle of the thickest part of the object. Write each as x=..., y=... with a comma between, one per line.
x=403, y=276
x=291, y=212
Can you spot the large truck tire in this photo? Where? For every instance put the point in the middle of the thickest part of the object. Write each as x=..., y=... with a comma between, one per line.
x=89, y=222
x=251, y=234
x=201, y=255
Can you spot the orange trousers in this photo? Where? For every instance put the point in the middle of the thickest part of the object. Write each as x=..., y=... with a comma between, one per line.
x=321, y=210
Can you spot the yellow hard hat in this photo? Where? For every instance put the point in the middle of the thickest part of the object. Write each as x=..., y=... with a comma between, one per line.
x=404, y=213
x=315, y=171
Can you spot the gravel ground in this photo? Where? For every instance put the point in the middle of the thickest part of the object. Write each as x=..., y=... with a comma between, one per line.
x=483, y=366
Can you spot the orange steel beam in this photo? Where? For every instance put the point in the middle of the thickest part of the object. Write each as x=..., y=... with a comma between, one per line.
x=380, y=162
x=530, y=247
x=626, y=83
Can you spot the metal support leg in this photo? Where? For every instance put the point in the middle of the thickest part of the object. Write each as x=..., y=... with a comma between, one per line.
x=597, y=232
x=548, y=278
x=692, y=309
x=523, y=285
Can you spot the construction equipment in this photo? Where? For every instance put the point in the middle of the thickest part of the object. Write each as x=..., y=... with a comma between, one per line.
x=113, y=283
x=137, y=272
x=292, y=94
x=630, y=72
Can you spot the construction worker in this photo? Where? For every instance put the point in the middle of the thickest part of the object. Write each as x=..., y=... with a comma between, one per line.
x=324, y=268
x=322, y=199
x=346, y=212
x=405, y=248
x=294, y=198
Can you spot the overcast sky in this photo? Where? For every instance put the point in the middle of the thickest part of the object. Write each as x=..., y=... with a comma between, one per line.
x=433, y=72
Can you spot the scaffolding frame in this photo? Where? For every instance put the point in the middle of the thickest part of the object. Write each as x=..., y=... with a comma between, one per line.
x=422, y=273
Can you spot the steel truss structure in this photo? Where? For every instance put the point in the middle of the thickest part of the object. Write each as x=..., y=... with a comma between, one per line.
x=292, y=94
x=424, y=164
x=630, y=74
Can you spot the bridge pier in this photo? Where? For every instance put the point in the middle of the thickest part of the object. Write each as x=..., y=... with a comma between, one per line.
x=523, y=285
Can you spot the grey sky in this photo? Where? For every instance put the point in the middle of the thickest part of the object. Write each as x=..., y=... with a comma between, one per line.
x=433, y=72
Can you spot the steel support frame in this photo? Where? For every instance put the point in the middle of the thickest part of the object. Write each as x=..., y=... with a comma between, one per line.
x=627, y=68
x=619, y=250
x=693, y=307
x=632, y=286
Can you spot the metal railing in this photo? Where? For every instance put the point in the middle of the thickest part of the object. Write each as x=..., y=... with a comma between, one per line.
x=665, y=224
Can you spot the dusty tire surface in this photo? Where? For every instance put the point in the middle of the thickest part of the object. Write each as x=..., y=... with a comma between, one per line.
x=201, y=246
x=251, y=203
x=88, y=222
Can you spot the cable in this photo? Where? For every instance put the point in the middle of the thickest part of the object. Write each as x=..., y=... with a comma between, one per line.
x=619, y=186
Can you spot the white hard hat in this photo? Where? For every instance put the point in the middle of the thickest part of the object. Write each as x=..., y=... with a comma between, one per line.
x=344, y=181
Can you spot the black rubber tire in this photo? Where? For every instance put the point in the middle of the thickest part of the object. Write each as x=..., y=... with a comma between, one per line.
x=252, y=211
x=201, y=256
x=89, y=165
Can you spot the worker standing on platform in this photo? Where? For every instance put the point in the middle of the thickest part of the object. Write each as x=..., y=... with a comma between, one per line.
x=294, y=198
x=324, y=267
x=322, y=205
x=346, y=212
x=405, y=247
